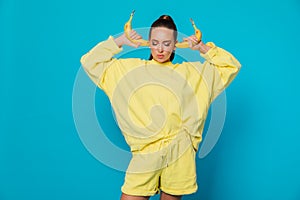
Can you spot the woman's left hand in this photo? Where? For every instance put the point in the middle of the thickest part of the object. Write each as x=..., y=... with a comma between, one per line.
x=197, y=45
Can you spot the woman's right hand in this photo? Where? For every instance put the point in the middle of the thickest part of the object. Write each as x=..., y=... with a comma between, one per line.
x=123, y=40
x=197, y=45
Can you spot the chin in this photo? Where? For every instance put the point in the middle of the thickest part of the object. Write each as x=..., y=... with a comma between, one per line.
x=162, y=60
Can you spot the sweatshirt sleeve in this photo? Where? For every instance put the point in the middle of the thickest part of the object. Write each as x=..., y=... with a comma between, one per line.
x=222, y=67
x=98, y=59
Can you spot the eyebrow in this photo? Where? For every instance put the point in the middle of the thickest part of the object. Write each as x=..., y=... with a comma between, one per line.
x=162, y=41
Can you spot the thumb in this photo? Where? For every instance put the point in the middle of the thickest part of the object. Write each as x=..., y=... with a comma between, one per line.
x=189, y=41
x=136, y=45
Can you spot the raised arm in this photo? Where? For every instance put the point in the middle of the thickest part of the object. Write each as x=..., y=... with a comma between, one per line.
x=223, y=68
x=220, y=67
x=100, y=58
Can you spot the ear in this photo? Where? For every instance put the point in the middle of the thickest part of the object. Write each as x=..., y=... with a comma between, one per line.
x=175, y=45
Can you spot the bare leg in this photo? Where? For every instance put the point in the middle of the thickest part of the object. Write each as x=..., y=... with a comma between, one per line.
x=130, y=197
x=165, y=196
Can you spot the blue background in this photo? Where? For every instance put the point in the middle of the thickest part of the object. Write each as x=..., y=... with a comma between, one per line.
x=41, y=155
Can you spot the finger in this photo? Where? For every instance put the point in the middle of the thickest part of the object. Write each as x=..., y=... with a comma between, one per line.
x=136, y=37
x=194, y=39
x=189, y=40
x=186, y=39
x=136, y=45
x=132, y=32
x=190, y=43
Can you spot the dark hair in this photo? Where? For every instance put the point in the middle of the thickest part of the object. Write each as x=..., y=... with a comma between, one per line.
x=167, y=22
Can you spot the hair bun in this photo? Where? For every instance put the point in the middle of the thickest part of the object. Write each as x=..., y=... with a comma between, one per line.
x=166, y=17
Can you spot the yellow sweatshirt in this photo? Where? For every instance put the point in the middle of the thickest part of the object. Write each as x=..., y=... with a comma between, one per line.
x=153, y=101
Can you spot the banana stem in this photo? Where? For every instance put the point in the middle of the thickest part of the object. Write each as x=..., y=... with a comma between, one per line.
x=132, y=13
x=192, y=21
x=193, y=24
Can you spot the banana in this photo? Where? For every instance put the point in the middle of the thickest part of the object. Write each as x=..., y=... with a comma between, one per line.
x=198, y=35
x=127, y=30
x=142, y=42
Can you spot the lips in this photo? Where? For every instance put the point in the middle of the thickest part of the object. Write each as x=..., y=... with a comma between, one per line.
x=160, y=56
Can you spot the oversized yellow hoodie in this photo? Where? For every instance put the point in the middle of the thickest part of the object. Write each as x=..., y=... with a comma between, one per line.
x=153, y=101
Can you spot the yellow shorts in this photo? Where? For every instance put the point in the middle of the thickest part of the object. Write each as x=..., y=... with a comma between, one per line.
x=168, y=165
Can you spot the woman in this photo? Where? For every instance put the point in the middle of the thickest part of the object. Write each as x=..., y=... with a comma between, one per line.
x=160, y=107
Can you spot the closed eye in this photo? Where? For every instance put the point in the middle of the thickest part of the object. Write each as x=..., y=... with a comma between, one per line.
x=167, y=43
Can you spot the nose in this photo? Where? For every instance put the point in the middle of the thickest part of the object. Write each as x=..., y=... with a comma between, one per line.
x=160, y=48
